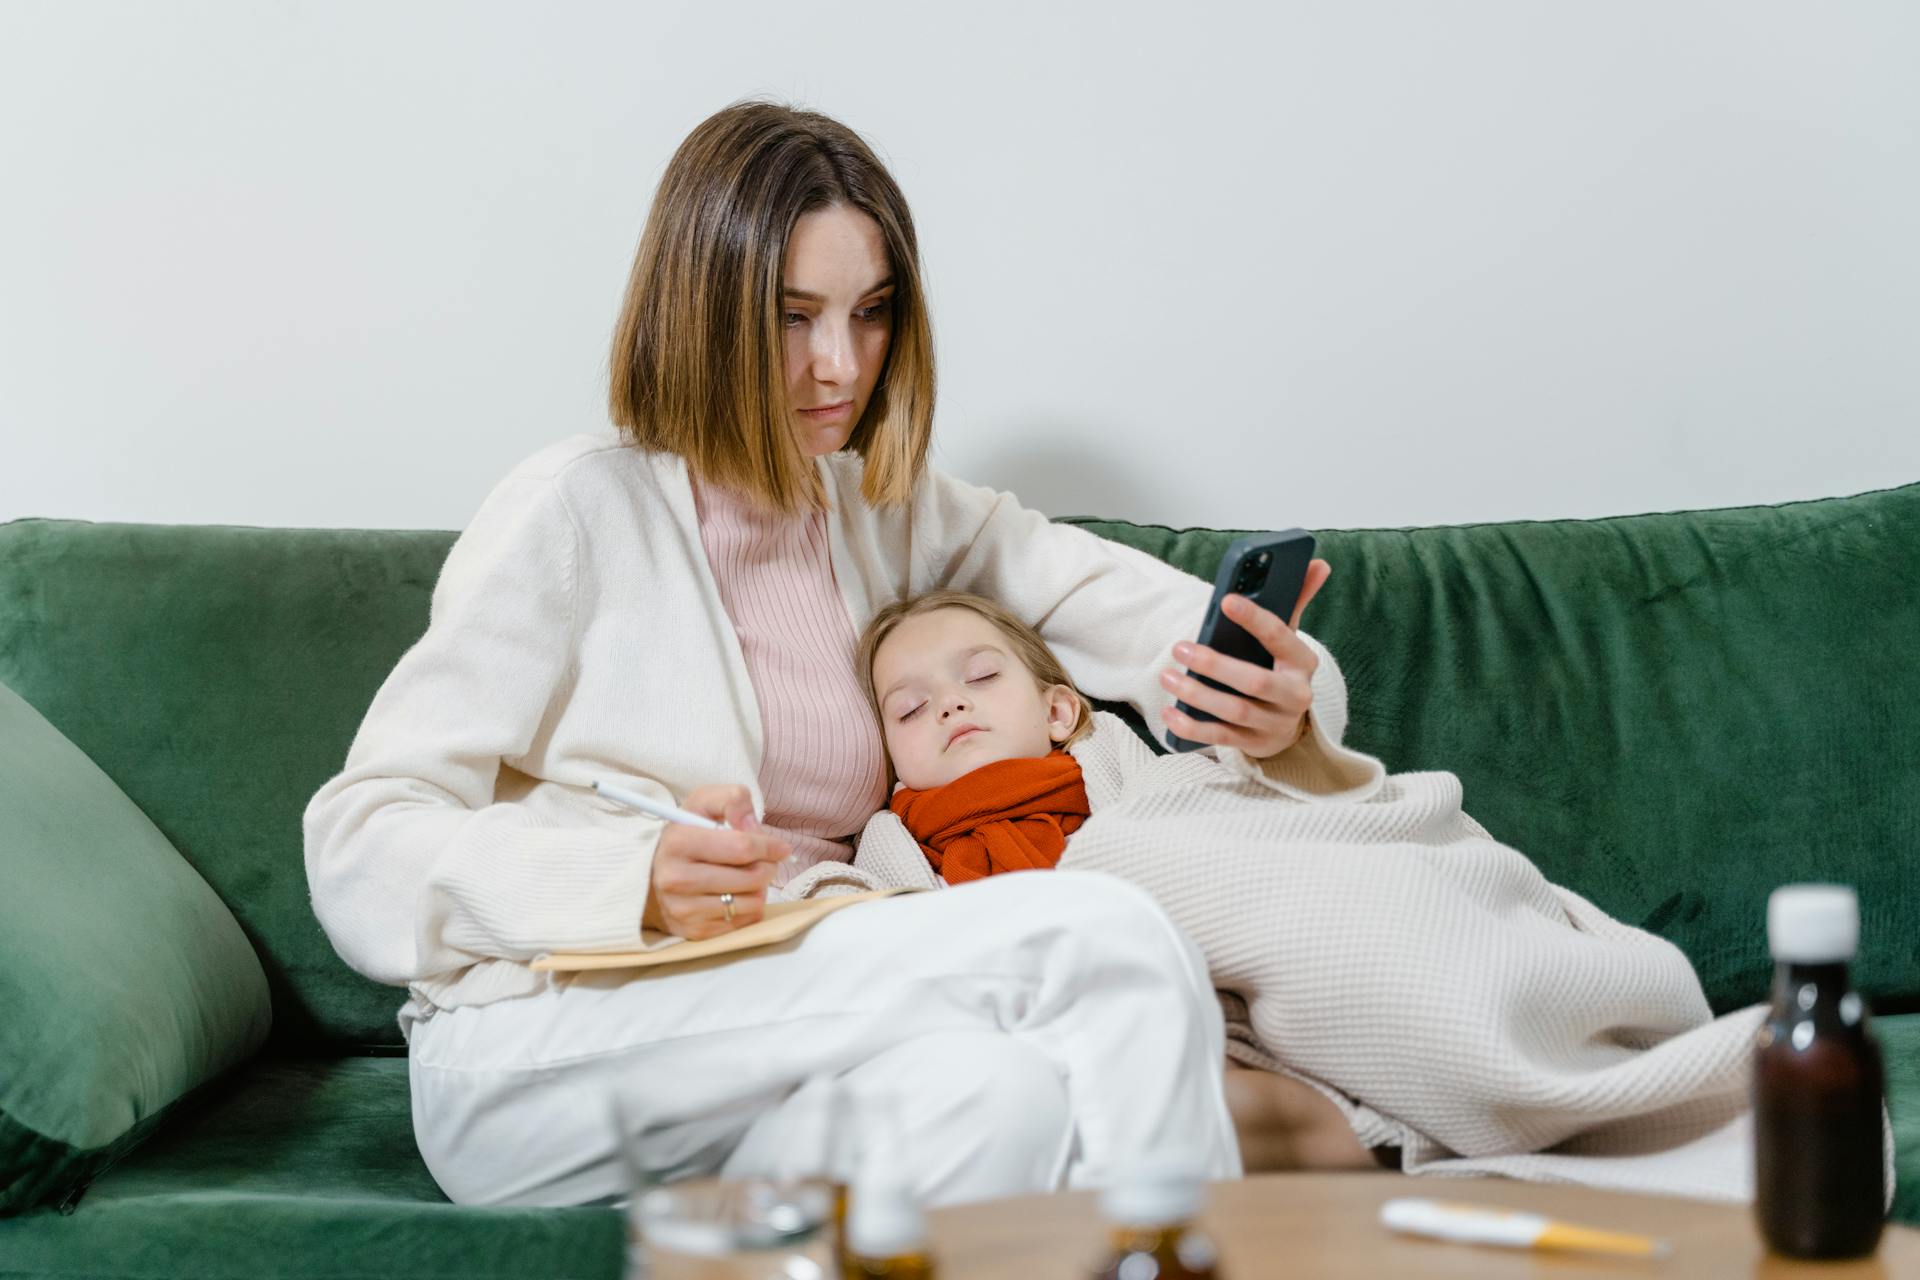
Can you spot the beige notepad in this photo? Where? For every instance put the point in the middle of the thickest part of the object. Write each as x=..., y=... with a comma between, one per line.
x=782, y=920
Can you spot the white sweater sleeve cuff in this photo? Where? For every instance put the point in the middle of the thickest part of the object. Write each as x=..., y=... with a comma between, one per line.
x=503, y=889
x=1318, y=767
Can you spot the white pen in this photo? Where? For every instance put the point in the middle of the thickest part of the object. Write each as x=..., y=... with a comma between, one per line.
x=1480, y=1224
x=661, y=809
x=658, y=808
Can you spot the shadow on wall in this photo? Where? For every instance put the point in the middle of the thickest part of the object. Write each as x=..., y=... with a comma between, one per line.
x=1062, y=472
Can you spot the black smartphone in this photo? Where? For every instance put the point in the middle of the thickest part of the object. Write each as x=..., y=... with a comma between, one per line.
x=1269, y=569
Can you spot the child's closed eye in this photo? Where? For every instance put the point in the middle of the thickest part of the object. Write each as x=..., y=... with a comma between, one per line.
x=908, y=715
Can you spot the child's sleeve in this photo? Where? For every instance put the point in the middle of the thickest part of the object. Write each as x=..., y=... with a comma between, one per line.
x=824, y=879
x=886, y=852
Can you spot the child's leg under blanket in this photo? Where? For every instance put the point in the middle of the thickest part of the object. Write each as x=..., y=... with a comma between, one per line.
x=1285, y=1125
x=1424, y=971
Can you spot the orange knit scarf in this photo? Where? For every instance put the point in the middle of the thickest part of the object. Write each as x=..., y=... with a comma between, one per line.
x=1011, y=815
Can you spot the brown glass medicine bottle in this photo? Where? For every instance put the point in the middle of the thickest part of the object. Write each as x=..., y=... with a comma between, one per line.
x=1819, y=1164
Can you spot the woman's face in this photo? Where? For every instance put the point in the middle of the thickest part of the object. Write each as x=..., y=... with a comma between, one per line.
x=838, y=315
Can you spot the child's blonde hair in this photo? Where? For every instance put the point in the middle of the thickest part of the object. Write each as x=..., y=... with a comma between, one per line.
x=1028, y=647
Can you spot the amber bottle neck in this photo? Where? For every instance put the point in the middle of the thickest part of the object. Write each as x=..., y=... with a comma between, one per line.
x=1828, y=975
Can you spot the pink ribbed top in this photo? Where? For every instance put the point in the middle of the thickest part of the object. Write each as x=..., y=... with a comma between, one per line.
x=823, y=771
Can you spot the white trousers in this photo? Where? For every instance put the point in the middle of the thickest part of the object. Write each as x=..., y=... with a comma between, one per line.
x=1028, y=1032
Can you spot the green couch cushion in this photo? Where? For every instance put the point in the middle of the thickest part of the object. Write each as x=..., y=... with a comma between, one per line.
x=1900, y=1047
x=226, y=671
x=1670, y=714
x=123, y=980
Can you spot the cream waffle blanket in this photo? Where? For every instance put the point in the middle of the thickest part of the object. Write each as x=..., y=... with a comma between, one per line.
x=1370, y=938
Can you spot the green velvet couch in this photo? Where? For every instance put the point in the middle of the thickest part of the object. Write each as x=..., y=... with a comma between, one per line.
x=1670, y=713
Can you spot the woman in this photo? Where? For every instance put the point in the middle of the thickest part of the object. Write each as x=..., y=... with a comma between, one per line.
x=676, y=612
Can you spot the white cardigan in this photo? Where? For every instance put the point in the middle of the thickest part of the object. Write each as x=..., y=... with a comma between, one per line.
x=576, y=633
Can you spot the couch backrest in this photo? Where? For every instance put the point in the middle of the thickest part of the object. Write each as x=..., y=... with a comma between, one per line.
x=1670, y=714
x=218, y=675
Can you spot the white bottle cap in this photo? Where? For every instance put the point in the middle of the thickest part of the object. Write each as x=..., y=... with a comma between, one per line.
x=1154, y=1198
x=1813, y=923
x=885, y=1221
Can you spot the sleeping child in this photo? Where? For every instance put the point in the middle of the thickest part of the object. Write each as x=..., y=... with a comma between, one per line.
x=1379, y=944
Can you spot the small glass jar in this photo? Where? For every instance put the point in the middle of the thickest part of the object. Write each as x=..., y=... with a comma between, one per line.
x=1151, y=1219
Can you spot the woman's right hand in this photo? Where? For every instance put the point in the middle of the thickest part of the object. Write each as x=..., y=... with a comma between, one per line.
x=693, y=866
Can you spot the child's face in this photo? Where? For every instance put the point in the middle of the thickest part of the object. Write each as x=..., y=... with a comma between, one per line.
x=953, y=697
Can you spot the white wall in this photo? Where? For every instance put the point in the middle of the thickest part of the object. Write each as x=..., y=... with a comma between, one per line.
x=1330, y=264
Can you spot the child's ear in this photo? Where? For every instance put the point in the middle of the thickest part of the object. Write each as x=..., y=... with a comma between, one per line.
x=1063, y=711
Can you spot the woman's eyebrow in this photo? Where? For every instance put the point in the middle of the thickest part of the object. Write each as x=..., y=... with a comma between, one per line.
x=815, y=297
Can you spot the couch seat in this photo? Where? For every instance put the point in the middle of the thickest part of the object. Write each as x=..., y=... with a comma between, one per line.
x=320, y=1156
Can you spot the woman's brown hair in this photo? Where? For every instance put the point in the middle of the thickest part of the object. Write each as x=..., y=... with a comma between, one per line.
x=699, y=354
x=1028, y=647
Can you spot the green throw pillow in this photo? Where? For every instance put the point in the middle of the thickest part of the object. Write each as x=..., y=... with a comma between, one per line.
x=124, y=982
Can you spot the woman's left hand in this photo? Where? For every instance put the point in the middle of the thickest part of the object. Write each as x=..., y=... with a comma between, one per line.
x=1267, y=711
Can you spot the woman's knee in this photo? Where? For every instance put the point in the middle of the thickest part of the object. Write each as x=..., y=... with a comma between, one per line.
x=1117, y=918
x=1284, y=1124
x=986, y=1115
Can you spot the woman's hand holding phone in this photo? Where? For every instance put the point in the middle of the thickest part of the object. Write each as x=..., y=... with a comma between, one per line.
x=693, y=866
x=1266, y=712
